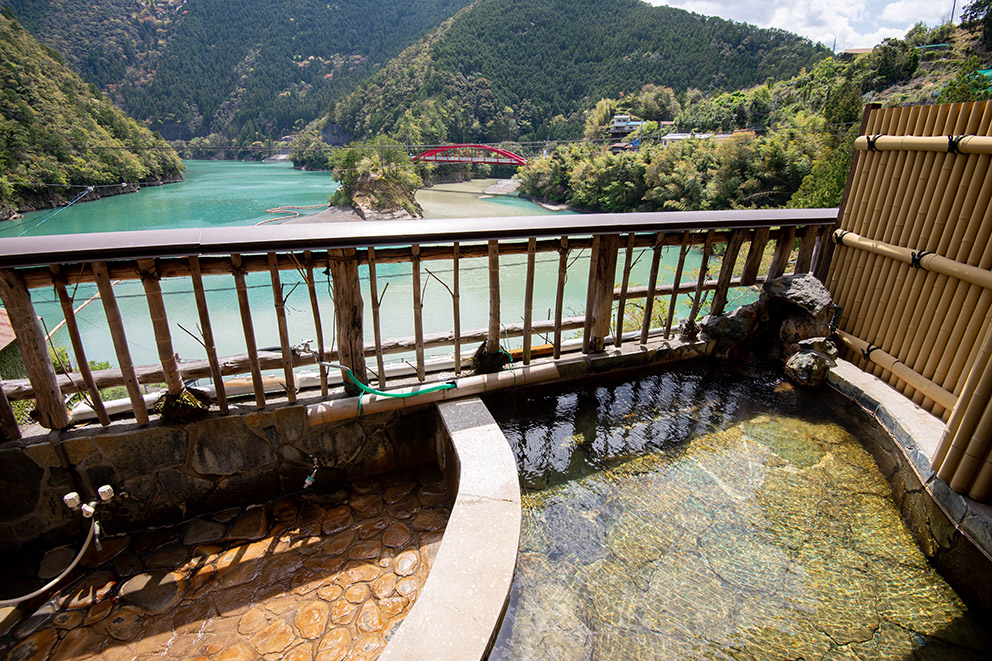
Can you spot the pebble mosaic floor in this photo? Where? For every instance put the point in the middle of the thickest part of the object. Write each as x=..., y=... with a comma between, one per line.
x=700, y=515
x=317, y=577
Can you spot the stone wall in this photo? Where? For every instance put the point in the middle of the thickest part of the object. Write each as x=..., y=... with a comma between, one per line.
x=173, y=472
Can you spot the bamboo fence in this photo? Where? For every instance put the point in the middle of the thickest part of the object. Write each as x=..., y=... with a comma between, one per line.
x=912, y=272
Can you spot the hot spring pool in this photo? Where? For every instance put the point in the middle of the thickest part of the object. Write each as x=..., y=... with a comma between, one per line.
x=714, y=513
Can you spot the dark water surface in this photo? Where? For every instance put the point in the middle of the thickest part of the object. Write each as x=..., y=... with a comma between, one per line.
x=705, y=512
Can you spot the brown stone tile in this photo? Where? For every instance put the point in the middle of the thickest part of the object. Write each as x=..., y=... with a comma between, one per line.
x=432, y=495
x=170, y=557
x=330, y=592
x=325, y=566
x=367, y=550
x=384, y=586
x=112, y=547
x=398, y=492
x=191, y=616
x=80, y=644
x=372, y=528
x=234, y=601
x=366, y=485
x=396, y=535
x=98, y=612
x=280, y=604
x=37, y=646
x=238, y=652
x=343, y=612
x=154, y=592
x=404, y=509
x=300, y=653
x=304, y=582
x=284, y=511
x=336, y=519
x=127, y=565
x=409, y=586
x=152, y=540
x=339, y=542
x=91, y=590
x=69, y=619
x=203, y=576
x=117, y=652
x=372, y=646
x=274, y=638
x=393, y=606
x=431, y=519
x=358, y=572
x=366, y=505
x=357, y=593
x=406, y=563
x=311, y=619
x=251, y=524
x=335, y=645
x=253, y=621
x=125, y=623
x=369, y=618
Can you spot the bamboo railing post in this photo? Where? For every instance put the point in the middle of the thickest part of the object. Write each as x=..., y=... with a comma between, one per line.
x=376, y=328
x=318, y=328
x=806, y=246
x=529, y=299
x=703, y=267
x=51, y=411
x=348, y=314
x=752, y=263
x=116, y=326
x=77, y=345
x=603, y=272
x=727, y=271
x=237, y=268
x=418, y=312
x=456, y=308
x=652, y=286
x=208, y=334
x=492, y=340
x=783, y=249
x=684, y=248
x=560, y=293
x=280, y=306
x=160, y=325
x=8, y=421
x=625, y=280
x=590, y=293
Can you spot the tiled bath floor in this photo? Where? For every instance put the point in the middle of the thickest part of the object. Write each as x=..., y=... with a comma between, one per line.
x=325, y=578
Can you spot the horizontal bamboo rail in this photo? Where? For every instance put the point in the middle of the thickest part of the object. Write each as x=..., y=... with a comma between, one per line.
x=154, y=257
x=951, y=144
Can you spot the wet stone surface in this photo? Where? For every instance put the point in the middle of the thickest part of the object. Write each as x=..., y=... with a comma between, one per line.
x=325, y=577
x=704, y=514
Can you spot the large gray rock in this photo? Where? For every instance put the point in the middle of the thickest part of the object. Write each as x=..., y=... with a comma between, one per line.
x=807, y=368
x=803, y=291
x=222, y=448
x=731, y=328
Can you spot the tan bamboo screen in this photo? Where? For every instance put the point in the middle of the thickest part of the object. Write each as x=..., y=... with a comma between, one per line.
x=912, y=272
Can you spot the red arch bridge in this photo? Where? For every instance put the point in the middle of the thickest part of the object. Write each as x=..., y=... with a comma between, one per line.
x=470, y=154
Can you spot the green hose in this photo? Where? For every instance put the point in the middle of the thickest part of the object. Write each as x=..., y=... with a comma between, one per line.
x=400, y=395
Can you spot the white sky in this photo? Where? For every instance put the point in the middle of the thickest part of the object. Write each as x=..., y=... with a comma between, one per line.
x=854, y=23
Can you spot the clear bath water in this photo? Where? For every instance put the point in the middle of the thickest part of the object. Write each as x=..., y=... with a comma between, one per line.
x=714, y=513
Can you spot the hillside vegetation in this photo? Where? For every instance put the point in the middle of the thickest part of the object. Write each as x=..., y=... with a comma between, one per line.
x=527, y=69
x=239, y=71
x=56, y=131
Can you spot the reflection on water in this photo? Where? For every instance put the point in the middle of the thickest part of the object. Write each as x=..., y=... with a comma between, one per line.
x=701, y=513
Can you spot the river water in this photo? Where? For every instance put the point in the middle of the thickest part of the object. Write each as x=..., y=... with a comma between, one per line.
x=227, y=193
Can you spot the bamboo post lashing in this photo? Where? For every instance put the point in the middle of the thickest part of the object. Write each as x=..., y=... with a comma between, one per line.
x=590, y=293
x=418, y=312
x=529, y=299
x=889, y=362
x=318, y=328
x=160, y=325
x=492, y=340
x=376, y=329
x=206, y=331
x=348, y=314
x=783, y=250
x=703, y=267
x=51, y=411
x=965, y=144
x=560, y=293
x=77, y=346
x=628, y=264
x=249, y=329
x=603, y=273
x=8, y=421
x=684, y=248
x=805, y=257
x=280, y=305
x=755, y=252
x=652, y=286
x=117, y=334
x=727, y=270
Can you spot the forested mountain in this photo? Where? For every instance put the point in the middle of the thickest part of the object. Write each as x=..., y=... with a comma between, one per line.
x=242, y=70
x=56, y=131
x=525, y=69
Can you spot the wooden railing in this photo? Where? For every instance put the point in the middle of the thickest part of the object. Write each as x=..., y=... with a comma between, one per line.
x=776, y=239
